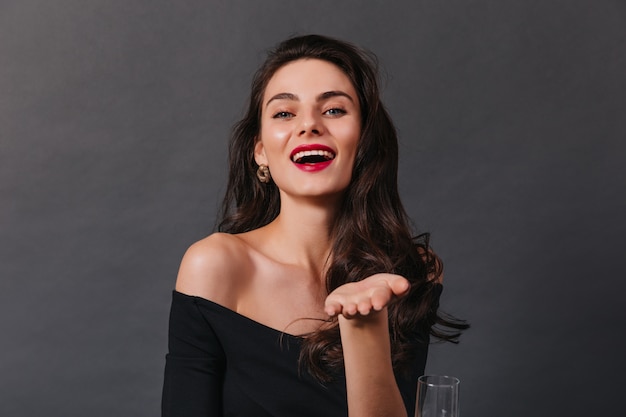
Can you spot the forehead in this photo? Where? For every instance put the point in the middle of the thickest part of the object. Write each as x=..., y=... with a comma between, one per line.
x=309, y=76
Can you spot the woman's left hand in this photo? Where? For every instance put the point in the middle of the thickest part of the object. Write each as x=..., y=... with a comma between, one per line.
x=359, y=298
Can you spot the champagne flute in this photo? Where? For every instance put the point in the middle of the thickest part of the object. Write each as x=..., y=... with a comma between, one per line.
x=437, y=396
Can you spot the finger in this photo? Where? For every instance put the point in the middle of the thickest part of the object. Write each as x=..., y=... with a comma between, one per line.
x=349, y=309
x=365, y=307
x=380, y=299
x=379, y=302
x=332, y=308
x=398, y=284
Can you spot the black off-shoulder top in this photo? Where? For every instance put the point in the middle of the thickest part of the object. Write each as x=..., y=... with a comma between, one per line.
x=221, y=363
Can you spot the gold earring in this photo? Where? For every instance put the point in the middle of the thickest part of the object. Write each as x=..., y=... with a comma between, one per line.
x=263, y=173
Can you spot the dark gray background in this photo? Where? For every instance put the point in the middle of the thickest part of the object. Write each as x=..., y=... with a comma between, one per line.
x=114, y=117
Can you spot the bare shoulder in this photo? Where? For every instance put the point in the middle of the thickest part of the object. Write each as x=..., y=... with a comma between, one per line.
x=213, y=268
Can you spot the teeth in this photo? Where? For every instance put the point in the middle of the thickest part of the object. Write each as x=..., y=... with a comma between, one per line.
x=328, y=155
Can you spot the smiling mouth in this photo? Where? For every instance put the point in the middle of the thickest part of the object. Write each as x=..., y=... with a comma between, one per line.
x=312, y=157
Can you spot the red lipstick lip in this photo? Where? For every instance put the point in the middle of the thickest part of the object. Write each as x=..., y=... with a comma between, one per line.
x=312, y=147
x=314, y=167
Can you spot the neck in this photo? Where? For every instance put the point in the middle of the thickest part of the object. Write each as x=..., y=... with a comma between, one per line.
x=301, y=232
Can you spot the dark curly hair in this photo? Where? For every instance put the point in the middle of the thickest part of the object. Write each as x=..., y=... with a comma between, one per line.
x=371, y=233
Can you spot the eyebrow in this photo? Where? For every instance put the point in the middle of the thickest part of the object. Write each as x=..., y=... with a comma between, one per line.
x=320, y=97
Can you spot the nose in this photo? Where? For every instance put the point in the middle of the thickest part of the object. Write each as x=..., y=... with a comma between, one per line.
x=310, y=125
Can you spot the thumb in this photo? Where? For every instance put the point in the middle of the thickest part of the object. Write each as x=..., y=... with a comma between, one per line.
x=398, y=284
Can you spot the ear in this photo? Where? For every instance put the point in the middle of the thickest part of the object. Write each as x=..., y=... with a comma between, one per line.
x=259, y=152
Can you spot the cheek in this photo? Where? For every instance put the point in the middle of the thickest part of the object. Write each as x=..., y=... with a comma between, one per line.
x=275, y=138
x=350, y=138
x=275, y=134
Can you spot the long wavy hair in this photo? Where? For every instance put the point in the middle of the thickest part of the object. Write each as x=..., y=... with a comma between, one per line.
x=371, y=233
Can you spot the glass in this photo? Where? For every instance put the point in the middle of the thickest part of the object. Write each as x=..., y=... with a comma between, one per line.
x=437, y=396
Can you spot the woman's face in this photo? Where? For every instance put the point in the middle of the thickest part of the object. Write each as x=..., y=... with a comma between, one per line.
x=310, y=128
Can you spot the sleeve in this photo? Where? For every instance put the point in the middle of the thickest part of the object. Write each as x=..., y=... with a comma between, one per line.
x=195, y=363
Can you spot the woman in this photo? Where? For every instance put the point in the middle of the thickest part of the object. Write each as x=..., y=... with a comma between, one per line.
x=313, y=300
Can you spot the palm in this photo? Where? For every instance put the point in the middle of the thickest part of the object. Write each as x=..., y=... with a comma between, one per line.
x=360, y=298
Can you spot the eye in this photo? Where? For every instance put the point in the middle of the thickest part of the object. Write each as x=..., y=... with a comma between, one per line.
x=335, y=112
x=282, y=115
